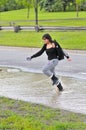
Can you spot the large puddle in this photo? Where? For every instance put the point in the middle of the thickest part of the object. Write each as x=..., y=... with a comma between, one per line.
x=36, y=88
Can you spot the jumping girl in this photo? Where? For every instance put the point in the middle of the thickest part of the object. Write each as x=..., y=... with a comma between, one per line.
x=54, y=53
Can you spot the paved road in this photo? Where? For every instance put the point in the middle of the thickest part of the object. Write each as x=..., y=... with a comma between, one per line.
x=16, y=56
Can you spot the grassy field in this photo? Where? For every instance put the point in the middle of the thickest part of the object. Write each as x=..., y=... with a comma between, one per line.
x=19, y=115
x=63, y=18
x=68, y=40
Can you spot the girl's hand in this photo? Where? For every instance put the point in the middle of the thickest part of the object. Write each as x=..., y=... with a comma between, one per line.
x=69, y=59
x=53, y=45
x=28, y=58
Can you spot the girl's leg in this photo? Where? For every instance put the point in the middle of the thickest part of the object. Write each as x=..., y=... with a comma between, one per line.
x=53, y=70
x=49, y=68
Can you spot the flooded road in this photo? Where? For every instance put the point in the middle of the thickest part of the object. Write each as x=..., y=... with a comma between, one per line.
x=27, y=83
x=37, y=88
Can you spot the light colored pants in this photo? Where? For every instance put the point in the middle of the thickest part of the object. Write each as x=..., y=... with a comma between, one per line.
x=49, y=68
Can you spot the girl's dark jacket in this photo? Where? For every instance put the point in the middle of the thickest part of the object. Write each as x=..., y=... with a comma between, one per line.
x=52, y=53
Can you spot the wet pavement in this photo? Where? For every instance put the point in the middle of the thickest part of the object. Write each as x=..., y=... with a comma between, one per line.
x=25, y=80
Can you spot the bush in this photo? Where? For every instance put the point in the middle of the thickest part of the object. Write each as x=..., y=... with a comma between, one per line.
x=51, y=5
x=10, y=5
x=83, y=7
x=71, y=8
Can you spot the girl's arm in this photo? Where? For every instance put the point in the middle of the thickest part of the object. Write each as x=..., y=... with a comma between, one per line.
x=66, y=55
x=38, y=53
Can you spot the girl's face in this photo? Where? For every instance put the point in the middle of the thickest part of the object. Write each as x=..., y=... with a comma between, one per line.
x=46, y=41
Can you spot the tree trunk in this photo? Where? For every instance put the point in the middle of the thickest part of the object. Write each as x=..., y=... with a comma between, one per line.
x=77, y=10
x=64, y=7
x=36, y=15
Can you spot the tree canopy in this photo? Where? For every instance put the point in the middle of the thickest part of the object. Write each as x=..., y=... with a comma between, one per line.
x=47, y=5
x=62, y=5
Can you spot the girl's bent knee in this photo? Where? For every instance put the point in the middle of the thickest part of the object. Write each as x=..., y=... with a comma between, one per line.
x=44, y=70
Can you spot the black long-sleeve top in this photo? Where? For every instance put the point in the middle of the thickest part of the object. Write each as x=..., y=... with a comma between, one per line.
x=51, y=53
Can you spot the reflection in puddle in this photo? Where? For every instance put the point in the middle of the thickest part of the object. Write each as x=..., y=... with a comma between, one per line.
x=37, y=88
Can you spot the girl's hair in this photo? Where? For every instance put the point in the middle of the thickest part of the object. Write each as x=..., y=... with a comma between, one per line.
x=47, y=36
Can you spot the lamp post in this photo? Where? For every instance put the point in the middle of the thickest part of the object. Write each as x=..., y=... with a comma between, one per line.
x=36, y=16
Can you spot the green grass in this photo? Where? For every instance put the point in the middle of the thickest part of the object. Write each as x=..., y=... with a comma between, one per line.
x=19, y=115
x=19, y=15
x=22, y=15
x=68, y=40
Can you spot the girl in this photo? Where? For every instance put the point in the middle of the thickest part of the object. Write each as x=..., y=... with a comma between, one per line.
x=52, y=50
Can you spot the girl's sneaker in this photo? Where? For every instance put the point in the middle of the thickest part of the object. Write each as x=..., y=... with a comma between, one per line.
x=60, y=86
x=54, y=79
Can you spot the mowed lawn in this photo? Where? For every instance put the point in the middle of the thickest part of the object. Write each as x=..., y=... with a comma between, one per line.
x=61, y=18
x=68, y=40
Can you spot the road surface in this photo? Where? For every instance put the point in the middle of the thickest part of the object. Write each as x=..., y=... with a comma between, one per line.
x=16, y=57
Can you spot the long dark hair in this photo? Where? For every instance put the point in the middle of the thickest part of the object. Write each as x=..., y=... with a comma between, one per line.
x=47, y=36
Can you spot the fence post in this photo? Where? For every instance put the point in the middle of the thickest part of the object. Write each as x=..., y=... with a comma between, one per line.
x=16, y=29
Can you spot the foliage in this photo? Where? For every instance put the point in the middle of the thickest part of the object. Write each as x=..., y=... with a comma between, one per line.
x=81, y=5
x=66, y=3
x=47, y=5
x=51, y=6
x=78, y=2
x=7, y=5
x=60, y=5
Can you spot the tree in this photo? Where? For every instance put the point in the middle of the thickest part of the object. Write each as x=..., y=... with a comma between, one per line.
x=55, y=5
x=51, y=5
x=2, y=4
x=6, y=5
x=66, y=3
x=77, y=7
